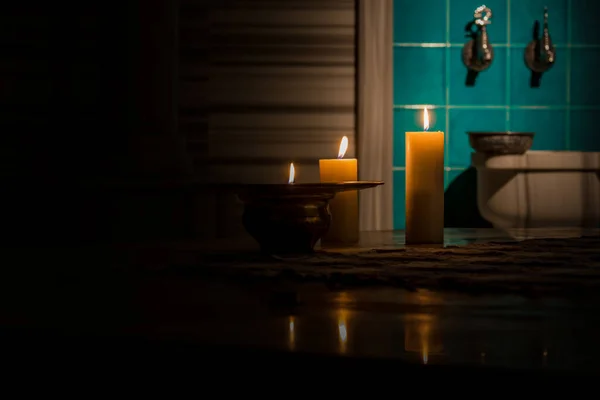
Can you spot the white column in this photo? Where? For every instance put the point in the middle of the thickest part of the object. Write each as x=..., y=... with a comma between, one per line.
x=375, y=111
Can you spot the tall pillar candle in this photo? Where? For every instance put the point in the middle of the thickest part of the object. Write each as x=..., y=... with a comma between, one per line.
x=425, y=186
x=344, y=206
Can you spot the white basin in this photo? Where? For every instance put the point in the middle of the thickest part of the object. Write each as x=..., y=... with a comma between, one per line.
x=539, y=189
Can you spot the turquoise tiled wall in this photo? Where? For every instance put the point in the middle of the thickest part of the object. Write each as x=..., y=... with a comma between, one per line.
x=428, y=70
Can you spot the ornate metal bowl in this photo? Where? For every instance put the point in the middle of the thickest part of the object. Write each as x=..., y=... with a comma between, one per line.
x=291, y=218
x=498, y=143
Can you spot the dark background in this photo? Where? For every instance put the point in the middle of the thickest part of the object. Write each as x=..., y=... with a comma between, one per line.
x=104, y=115
x=105, y=104
x=83, y=88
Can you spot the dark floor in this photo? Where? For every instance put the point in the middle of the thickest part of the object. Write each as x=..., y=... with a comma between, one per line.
x=90, y=316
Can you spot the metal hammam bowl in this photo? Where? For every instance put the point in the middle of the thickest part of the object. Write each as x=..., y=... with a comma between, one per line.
x=501, y=143
x=291, y=218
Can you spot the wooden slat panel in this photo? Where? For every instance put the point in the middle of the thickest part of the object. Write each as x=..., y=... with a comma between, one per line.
x=315, y=120
x=239, y=90
x=263, y=83
x=193, y=71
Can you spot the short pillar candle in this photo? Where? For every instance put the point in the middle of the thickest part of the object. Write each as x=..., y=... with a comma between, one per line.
x=344, y=206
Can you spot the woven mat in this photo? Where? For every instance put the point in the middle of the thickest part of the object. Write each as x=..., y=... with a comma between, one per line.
x=531, y=267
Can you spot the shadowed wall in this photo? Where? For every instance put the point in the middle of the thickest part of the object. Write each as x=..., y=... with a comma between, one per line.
x=99, y=99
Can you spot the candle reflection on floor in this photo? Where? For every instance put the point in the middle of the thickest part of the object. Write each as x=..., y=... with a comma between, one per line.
x=344, y=299
x=422, y=331
x=421, y=335
x=343, y=329
x=291, y=332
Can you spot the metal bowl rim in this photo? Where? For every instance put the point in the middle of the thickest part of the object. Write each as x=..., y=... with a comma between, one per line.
x=499, y=133
x=307, y=188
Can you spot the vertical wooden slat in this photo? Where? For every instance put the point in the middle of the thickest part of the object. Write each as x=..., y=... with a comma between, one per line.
x=375, y=107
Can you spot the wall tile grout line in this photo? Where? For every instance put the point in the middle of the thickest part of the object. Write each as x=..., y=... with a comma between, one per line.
x=447, y=94
x=495, y=107
x=507, y=92
x=428, y=45
x=568, y=55
x=500, y=45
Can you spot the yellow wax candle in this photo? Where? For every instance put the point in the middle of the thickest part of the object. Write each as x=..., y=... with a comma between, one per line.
x=344, y=206
x=425, y=186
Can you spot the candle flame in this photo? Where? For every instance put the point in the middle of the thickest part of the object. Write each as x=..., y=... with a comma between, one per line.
x=343, y=147
x=292, y=173
x=425, y=120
